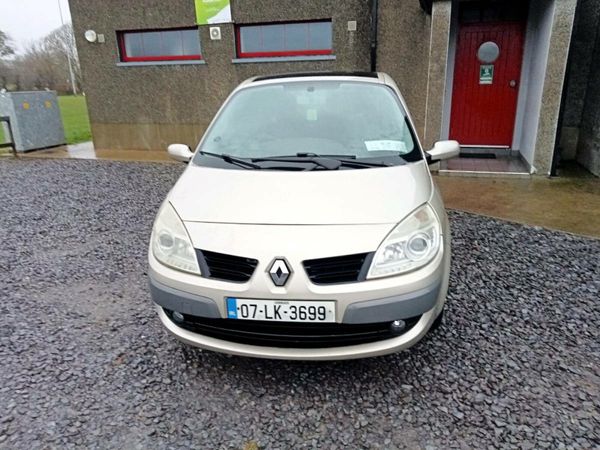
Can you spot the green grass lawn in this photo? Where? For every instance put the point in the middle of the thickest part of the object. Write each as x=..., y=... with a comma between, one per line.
x=3, y=150
x=75, y=119
x=73, y=109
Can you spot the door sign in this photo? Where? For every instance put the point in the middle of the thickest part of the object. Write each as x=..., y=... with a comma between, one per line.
x=486, y=74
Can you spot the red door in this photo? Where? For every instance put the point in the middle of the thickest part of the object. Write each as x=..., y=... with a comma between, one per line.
x=486, y=83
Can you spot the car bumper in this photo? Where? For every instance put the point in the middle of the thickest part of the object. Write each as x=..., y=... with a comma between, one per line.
x=384, y=347
x=424, y=301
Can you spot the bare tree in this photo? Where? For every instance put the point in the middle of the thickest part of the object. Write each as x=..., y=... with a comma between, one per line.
x=5, y=74
x=43, y=64
x=6, y=48
x=42, y=68
x=61, y=43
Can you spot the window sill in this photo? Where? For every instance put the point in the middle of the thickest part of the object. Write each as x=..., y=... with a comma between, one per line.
x=274, y=59
x=161, y=63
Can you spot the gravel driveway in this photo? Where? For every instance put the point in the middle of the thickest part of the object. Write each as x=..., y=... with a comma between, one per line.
x=84, y=361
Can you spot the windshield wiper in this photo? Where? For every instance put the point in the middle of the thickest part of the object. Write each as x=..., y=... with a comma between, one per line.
x=232, y=160
x=354, y=163
x=346, y=160
x=315, y=155
x=325, y=163
x=329, y=162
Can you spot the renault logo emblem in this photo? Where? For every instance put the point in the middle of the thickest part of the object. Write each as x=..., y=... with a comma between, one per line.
x=279, y=271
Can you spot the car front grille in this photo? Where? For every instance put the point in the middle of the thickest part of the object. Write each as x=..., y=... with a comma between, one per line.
x=338, y=269
x=323, y=271
x=289, y=334
x=225, y=267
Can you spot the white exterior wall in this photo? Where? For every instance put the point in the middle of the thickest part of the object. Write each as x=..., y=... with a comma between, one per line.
x=533, y=72
x=452, y=41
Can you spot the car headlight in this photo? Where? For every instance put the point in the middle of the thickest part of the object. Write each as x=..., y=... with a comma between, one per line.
x=411, y=244
x=171, y=244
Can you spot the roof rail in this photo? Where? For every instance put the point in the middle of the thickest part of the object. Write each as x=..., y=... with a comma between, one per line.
x=317, y=74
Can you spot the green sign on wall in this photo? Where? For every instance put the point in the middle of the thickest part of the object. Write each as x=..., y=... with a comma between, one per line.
x=213, y=11
x=486, y=74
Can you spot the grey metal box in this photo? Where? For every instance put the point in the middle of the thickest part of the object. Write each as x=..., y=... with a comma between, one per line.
x=35, y=119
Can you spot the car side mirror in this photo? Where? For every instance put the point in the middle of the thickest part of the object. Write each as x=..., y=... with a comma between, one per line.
x=180, y=152
x=443, y=150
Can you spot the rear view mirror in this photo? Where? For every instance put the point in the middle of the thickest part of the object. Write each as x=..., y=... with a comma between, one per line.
x=180, y=152
x=443, y=150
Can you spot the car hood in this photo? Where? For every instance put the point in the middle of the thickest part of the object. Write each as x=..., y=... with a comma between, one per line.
x=341, y=197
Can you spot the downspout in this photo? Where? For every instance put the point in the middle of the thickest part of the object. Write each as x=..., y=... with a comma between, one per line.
x=374, y=23
x=426, y=5
x=561, y=116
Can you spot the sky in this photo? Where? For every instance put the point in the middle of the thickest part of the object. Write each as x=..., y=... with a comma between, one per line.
x=27, y=20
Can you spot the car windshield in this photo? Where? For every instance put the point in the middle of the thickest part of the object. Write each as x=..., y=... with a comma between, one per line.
x=328, y=119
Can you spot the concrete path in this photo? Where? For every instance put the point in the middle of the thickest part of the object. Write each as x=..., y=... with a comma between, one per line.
x=86, y=150
x=570, y=202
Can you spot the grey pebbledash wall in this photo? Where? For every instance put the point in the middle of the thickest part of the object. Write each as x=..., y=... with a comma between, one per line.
x=403, y=52
x=585, y=30
x=580, y=139
x=588, y=149
x=150, y=106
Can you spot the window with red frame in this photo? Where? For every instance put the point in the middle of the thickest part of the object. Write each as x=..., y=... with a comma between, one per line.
x=160, y=45
x=285, y=39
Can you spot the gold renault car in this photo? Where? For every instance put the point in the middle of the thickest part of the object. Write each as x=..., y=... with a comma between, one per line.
x=306, y=224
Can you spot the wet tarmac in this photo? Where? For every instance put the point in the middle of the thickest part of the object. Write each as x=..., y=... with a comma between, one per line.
x=570, y=202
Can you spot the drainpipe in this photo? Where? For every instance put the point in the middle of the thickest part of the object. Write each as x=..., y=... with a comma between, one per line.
x=426, y=5
x=561, y=116
x=374, y=23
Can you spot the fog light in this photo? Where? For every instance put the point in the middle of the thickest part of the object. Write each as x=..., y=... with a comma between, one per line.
x=178, y=317
x=397, y=326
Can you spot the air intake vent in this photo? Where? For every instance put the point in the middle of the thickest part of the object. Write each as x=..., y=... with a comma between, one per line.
x=289, y=334
x=225, y=267
x=338, y=269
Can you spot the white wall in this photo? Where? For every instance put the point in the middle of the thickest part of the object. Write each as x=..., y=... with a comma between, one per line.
x=450, y=71
x=533, y=72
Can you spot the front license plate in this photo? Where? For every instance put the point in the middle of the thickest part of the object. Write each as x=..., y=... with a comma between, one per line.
x=280, y=310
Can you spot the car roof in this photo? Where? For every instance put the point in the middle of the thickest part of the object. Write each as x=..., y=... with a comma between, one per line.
x=316, y=74
x=372, y=77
